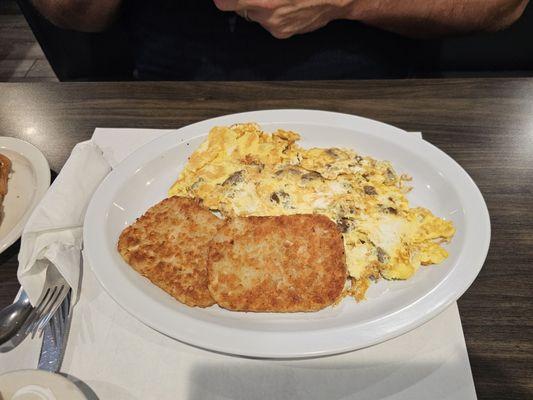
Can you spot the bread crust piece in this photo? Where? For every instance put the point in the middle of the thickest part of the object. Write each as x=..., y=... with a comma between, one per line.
x=169, y=246
x=286, y=263
x=5, y=169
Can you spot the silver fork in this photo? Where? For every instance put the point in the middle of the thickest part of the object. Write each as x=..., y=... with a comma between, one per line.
x=55, y=335
x=59, y=321
x=54, y=292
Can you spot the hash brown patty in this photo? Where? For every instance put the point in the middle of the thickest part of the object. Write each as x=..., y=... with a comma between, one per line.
x=169, y=246
x=287, y=263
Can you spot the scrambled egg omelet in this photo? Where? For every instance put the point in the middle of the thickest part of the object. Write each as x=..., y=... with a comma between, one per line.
x=241, y=170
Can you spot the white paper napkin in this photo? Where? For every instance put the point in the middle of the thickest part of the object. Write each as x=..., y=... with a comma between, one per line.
x=53, y=234
x=116, y=356
x=120, y=358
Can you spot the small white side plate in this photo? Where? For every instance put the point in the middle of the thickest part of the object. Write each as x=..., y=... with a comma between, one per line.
x=28, y=181
x=29, y=384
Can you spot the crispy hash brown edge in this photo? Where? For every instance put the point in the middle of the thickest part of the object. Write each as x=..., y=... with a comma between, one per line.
x=148, y=251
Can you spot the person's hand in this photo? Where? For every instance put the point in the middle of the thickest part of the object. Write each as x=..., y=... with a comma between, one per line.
x=285, y=18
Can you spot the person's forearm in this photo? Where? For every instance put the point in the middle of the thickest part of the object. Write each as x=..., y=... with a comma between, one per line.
x=80, y=15
x=426, y=18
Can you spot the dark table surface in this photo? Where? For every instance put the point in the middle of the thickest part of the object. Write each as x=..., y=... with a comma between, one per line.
x=486, y=125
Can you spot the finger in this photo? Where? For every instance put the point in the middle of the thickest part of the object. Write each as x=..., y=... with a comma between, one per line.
x=281, y=34
x=312, y=28
x=228, y=5
x=262, y=17
x=258, y=15
x=271, y=22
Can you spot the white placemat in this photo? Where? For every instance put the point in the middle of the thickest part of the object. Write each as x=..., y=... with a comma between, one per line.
x=117, y=357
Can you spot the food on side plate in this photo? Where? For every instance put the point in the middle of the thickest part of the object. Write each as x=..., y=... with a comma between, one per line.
x=243, y=171
x=277, y=264
x=5, y=169
x=169, y=246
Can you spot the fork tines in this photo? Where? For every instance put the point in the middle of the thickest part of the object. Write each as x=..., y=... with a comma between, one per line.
x=51, y=299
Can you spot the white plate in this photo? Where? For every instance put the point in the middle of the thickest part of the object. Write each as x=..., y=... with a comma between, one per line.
x=37, y=385
x=28, y=181
x=392, y=308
